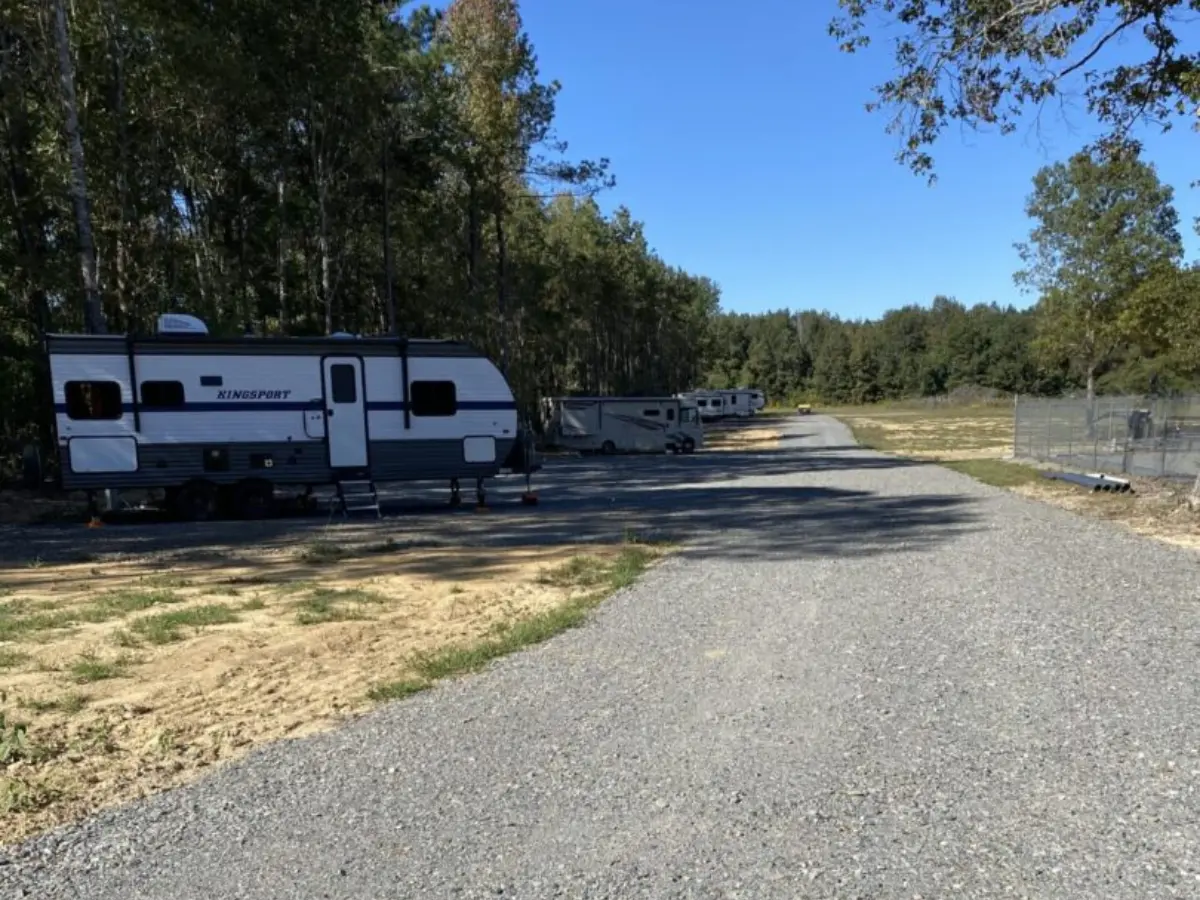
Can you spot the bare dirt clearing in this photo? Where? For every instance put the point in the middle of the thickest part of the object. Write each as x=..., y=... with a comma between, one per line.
x=137, y=675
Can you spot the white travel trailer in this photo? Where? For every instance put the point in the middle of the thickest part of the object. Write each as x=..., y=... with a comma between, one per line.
x=710, y=403
x=739, y=402
x=219, y=423
x=622, y=424
x=758, y=400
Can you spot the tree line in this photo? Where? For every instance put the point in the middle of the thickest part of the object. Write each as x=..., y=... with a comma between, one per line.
x=342, y=165
x=373, y=168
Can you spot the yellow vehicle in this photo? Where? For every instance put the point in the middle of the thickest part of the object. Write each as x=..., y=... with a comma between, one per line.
x=803, y=409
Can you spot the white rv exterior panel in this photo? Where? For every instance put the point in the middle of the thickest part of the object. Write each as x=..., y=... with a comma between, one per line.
x=103, y=454
x=479, y=449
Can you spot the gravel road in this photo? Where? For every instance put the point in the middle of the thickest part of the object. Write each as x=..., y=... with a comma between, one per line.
x=863, y=680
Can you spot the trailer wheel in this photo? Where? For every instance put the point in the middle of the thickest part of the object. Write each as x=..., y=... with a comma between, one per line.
x=256, y=499
x=689, y=446
x=608, y=448
x=196, y=501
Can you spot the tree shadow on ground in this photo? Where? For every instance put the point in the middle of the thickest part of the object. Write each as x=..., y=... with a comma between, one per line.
x=703, y=503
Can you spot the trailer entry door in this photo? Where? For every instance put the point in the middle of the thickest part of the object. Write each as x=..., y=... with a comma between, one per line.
x=345, y=412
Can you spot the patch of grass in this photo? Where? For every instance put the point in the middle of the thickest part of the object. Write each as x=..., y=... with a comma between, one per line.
x=396, y=690
x=133, y=600
x=89, y=668
x=124, y=638
x=10, y=659
x=997, y=472
x=68, y=704
x=593, y=571
x=22, y=795
x=331, y=605
x=323, y=552
x=255, y=603
x=167, y=628
x=602, y=576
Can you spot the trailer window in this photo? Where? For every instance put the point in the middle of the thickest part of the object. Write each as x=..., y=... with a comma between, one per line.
x=93, y=399
x=342, y=384
x=162, y=394
x=434, y=398
x=652, y=413
x=670, y=415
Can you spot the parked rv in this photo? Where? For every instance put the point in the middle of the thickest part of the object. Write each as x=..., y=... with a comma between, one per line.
x=219, y=423
x=622, y=424
x=711, y=404
x=739, y=402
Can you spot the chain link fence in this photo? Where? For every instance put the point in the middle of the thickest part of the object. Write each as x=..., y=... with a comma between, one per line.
x=1154, y=437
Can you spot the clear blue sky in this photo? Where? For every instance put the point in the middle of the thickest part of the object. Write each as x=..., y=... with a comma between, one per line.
x=738, y=136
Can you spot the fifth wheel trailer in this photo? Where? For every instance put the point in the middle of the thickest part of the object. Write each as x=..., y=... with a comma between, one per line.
x=622, y=424
x=218, y=423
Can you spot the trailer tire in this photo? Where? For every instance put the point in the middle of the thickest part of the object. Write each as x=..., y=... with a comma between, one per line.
x=689, y=446
x=197, y=501
x=255, y=499
x=608, y=448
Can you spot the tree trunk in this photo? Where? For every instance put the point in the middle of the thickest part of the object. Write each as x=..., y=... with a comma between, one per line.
x=93, y=312
x=124, y=217
x=502, y=286
x=281, y=257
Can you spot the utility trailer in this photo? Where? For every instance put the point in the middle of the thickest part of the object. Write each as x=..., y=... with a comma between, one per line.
x=622, y=424
x=219, y=423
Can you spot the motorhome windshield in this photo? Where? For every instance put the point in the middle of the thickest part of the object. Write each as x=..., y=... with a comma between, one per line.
x=688, y=414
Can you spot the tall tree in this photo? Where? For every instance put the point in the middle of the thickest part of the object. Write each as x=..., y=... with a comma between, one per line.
x=1102, y=224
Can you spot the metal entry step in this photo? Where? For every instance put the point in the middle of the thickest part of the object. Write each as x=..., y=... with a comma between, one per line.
x=357, y=496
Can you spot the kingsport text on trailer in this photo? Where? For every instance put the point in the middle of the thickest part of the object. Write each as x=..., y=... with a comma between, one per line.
x=219, y=423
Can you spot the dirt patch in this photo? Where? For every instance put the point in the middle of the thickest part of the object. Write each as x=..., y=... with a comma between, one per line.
x=969, y=434
x=129, y=677
x=1157, y=510
x=743, y=439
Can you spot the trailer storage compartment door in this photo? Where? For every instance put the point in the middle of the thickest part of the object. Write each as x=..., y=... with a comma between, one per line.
x=103, y=454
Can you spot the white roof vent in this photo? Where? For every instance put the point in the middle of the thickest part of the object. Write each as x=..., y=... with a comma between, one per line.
x=178, y=323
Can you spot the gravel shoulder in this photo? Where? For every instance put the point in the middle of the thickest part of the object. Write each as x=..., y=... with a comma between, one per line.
x=862, y=678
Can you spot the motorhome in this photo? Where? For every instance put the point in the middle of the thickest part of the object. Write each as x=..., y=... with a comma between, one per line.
x=758, y=400
x=219, y=423
x=622, y=424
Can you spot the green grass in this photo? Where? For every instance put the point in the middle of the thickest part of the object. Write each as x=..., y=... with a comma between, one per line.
x=29, y=620
x=323, y=552
x=330, y=605
x=90, y=668
x=10, y=659
x=997, y=472
x=68, y=703
x=597, y=575
x=167, y=628
x=396, y=690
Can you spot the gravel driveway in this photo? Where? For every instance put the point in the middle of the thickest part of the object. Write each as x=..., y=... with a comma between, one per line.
x=872, y=680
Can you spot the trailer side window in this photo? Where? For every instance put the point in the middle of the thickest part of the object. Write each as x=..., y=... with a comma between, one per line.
x=434, y=398
x=93, y=399
x=343, y=384
x=162, y=394
x=670, y=415
x=652, y=413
